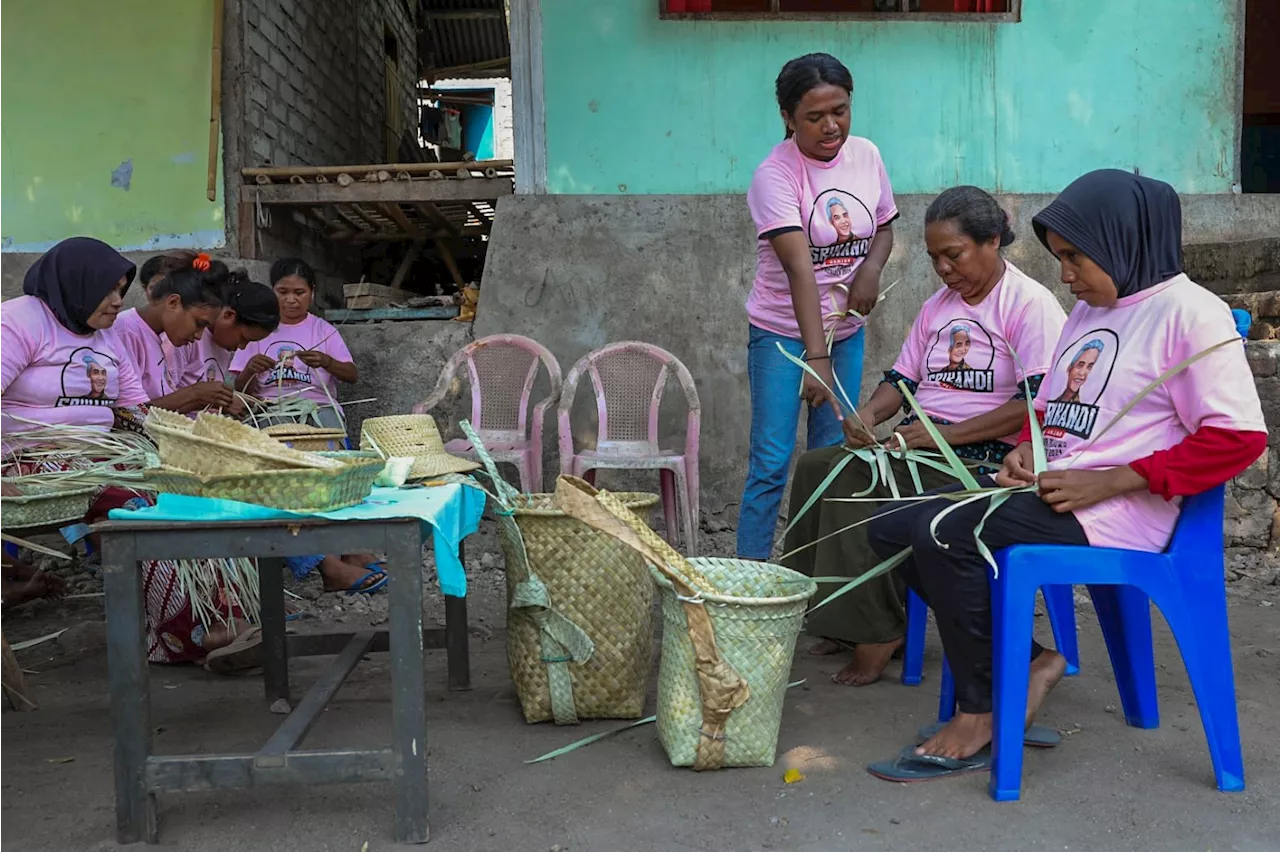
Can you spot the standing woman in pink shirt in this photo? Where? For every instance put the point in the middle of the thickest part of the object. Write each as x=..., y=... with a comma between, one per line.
x=822, y=207
x=1118, y=238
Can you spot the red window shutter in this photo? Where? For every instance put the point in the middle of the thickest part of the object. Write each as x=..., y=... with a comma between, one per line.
x=675, y=7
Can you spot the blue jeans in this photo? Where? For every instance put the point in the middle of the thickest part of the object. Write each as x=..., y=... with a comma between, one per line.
x=775, y=416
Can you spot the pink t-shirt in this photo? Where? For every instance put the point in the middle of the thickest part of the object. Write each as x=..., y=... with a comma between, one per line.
x=49, y=375
x=959, y=353
x=157, y=370
x=204, y=361
x=293, y=376
x=837, y=204
x=1105, y=357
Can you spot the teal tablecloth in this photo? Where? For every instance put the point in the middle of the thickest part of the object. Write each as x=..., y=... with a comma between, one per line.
x=452, y=511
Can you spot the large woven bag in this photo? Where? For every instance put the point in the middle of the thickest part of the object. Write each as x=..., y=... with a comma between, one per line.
x=730, y=632
x=565, y=581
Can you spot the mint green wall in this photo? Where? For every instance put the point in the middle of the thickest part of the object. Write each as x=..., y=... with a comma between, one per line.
x=88, y=85
x=640, y=105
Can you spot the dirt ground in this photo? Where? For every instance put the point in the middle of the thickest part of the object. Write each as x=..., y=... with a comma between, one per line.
x=1107, y=787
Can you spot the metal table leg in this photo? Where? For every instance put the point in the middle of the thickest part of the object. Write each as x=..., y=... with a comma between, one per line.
x=457, y=643
x=129, y=688
x=275, y=652
x=408, y=690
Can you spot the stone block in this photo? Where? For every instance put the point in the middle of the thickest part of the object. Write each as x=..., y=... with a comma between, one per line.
x=258, y=44
x=1256, y=475
x=1273, y=473
x=1263, y=356
x=279, y=61
x=1275, y=530
x=1248, y=518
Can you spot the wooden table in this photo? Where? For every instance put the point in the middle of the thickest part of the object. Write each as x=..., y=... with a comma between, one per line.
x=140, y=775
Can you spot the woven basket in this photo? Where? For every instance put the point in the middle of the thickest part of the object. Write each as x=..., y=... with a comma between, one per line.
x=599, y=584
x=44, y=505
x=756, y=628
x=730, y=629
x=213, y=445
x=300, y=436
x=296, y=490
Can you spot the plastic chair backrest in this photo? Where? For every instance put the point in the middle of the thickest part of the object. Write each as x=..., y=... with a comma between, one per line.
x=629, y=379
x=501, y=370
x=1198, y=534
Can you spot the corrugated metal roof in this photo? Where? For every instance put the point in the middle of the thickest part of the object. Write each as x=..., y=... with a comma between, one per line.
x=463, y=38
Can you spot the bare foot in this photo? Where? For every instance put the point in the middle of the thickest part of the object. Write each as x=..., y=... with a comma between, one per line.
x=1046, y=670
x=360, y=558
x=340, y=575
x=868, y=663
x=963, y=737
x=826, y=647
x=221, y=635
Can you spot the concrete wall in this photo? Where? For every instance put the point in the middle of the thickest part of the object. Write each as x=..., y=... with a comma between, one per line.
x=577, y=272
x=106, y=124
x=636, y=104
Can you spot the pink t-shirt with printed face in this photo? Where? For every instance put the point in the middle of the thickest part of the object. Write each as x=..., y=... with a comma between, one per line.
x=959, y=353
x=157, y=369
x=837, y=204
x=1106, y=356
x=293, y=376
x=204, y=361
x=52, y=376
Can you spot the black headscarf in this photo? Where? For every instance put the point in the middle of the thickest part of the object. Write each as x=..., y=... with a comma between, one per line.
x=73, y=278
x=1129, y=225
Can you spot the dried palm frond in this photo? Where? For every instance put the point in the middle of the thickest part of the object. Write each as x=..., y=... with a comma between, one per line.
x=233, y=581
x=80, y=455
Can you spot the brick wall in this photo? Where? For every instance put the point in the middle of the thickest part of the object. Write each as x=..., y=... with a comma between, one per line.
x=314, y=79
x=1253, y=498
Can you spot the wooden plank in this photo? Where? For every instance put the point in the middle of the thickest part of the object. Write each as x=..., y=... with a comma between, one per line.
x=247, y=230
x=447, y=256
x=383, y=314
x=433, y=213
x=405, y=192
x=403, y=270
x=411, y=168
x=397, y=215
x=368, y=288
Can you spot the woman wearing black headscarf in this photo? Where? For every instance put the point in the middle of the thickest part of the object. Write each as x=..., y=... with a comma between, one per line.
x=61, y=364
x=1118, y=238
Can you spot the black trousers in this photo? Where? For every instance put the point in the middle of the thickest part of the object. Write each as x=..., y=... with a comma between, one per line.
x=954, y=580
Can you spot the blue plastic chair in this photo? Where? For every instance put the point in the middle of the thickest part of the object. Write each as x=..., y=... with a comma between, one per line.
x=1060, y=603
x=1186, y=583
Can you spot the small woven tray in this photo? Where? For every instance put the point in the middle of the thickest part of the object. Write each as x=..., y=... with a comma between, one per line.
x=215, y=445
x=44, y=505
x=300, y=436
x=296, y=490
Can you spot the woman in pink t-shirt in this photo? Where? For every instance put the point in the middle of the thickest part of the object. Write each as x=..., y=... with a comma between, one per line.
x=250, y=312
x=1118, y=238
x=822, y=207
x=63, y=362
x=956, y=362
x=180, y=307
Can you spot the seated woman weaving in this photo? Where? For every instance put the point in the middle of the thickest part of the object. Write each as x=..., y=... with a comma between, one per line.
x=64, y=366
x=957, y=363
x=1118, y=238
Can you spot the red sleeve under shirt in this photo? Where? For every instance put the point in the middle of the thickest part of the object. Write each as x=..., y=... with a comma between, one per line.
x=1203, y=460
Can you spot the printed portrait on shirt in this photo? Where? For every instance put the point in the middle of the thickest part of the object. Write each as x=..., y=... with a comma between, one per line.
x=89, y=378
x=1076, y=383
x=840, y=228
x=961, y=357
x=289, y=367
x=213, y=370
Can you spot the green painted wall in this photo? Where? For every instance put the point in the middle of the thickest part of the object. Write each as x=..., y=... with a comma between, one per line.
x=88, y=85
x=640, y=105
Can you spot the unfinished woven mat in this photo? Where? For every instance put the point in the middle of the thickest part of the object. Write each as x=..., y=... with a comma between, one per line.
x=566, y=582
x=300, y=436
x=738, y=622
x=213, y=445
x=41, y=505
x=296, y=490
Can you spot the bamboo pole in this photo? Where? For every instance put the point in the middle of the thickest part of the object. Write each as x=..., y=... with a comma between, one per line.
x=408, y=168
x=215, y=102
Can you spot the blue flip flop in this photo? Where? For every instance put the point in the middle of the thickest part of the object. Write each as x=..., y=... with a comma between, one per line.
x=358, y=587
x=1037, y=736
x=910, y=767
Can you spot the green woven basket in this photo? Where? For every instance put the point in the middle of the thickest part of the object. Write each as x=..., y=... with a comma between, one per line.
x=296, y=490
x=757, y=616
x=44, y=505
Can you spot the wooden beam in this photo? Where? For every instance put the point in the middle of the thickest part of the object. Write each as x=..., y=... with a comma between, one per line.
x=375, y=314
x=447, y=257
x=411, y=168
x=397, y=215
x=433, y=213
x=406, y=192
x=409, y=257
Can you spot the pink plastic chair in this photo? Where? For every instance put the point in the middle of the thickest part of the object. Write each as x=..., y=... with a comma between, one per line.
x=501, y=370
x=629, y=379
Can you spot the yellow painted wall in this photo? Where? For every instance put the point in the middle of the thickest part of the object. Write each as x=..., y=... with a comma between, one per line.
x=91, y=91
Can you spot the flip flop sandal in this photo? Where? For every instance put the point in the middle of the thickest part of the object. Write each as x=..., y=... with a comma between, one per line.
x=1037, y=736
x=243, y=652
x=910, y=767
x=358, y=587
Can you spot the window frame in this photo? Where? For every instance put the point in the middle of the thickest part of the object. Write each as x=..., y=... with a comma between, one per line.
x=1013, y=16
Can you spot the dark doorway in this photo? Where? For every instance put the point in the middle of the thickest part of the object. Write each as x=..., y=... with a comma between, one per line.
x=1260, y=128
